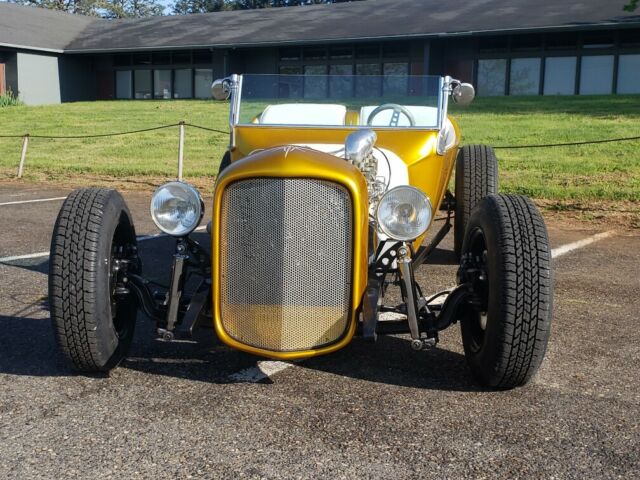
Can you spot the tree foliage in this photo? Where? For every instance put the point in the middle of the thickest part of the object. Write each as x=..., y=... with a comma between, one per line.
x=148, y=8
x=101, y=8
x=631, y=6
x=200, y=6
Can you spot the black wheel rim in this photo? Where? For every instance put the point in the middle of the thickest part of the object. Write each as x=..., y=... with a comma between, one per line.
x=120, y=301
x=477, y=319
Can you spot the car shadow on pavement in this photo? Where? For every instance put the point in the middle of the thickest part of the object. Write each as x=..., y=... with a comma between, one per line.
x=389, y=361
x=442, y=256
x=27, y=347
x=392, y=361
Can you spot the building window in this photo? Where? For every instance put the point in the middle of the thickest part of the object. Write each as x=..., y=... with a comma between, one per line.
x=367, y=86
x=596, y=75
x=181, y=58
x=182, y=85
x=395, y=49
x=162, y=84
x=290, y=54
x=290, y=86
x=598, y=40
x=121, y=60
x=315, y=53
x=526, y=42
x=142, y=84
x=142, y=59
x=395, y=78
x=561, y=41
x=123, y=84
x=524, y=78
x=628, y=74
x=341, y=52
x=560, y=76
x=203, y=79
x=368, y=51
x=202, y=57
x=315, y=84
x=340, y=86
x=629, y=38
x=493, y=44
x=491, y=76
x=161, y=58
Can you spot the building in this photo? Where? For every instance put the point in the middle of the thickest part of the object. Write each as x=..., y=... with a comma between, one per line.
x=504, y=47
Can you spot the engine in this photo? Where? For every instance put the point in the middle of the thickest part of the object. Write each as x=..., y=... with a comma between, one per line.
x=358, y=150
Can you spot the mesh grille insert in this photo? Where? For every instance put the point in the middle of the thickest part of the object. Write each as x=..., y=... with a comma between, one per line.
x=285, y=262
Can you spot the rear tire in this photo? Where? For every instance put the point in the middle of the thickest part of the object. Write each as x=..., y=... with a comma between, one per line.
x=507, y=239
x=476, y=177
x=93, y=326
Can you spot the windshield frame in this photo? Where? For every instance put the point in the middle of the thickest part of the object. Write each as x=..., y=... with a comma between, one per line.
x=235, y=89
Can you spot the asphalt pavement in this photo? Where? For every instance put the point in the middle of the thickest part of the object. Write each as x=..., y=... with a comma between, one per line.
x=202, y=410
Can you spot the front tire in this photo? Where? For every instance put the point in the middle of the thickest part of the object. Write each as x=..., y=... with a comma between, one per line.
x=506, y=240
x=93, y=324
x=476, y=177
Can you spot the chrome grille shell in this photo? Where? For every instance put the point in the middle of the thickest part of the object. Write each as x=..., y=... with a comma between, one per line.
x=286, y=262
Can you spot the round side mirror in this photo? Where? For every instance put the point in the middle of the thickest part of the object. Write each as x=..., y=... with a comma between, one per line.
x=220, y=89
x=463, y=94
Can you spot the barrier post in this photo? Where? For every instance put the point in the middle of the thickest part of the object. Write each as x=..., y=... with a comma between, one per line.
x=181, y=150
x=25, y=144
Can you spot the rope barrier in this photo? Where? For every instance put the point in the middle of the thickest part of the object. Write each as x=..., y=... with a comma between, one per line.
x=116, y=134
x=215, y=130
x=99, y=135
x=568, y=144
x=206, y=128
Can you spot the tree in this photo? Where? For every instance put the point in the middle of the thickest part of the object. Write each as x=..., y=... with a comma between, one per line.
x=101, y=8
x=631, y=6
x=131, y=8
x=82, y=7
x=182, y=7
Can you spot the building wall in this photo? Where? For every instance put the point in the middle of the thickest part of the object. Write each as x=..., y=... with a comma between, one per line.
x=550, y=63
x=38, y=78
x=77, y=79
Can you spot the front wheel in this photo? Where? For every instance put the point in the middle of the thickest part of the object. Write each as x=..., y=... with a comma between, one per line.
x=93, y=315
x=506, y=256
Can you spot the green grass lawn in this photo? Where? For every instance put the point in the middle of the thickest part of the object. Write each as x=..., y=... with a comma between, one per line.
x=594, y=172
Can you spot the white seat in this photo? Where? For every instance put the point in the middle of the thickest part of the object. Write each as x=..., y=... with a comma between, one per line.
x=303, y=114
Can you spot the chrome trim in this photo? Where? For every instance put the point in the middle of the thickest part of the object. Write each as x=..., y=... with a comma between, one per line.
x=446, y=87
x=359, y=145
x=235, y=85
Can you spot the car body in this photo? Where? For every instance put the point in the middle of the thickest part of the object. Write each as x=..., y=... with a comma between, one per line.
x=323, y=202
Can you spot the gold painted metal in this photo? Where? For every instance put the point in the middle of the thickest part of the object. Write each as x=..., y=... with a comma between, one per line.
x=292, y=162
x=428, y=171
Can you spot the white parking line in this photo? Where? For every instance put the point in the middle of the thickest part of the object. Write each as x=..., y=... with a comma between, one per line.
x=46, y=254
x=569, y=247
x=18, y=202
x=23, y=257
x=262, y=370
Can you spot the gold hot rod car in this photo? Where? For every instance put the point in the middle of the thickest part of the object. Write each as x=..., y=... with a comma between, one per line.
x=323, y=202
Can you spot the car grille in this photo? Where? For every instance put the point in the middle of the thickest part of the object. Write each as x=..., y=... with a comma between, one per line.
x=285, y=262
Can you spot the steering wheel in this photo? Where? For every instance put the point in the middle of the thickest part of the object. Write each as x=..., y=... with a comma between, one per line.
x=395, y=117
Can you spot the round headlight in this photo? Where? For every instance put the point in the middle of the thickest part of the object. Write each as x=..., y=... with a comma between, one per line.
x=404, y=213
x=176, y=208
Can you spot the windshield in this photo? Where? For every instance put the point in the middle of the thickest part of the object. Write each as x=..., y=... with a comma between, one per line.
x=390, y=101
